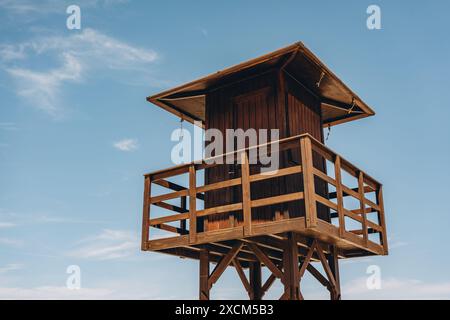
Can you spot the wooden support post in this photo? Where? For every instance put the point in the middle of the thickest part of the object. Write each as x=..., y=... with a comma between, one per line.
x=363, y=207
x=290, y=264
x=308, y=182
x=333, y=262
x=183, y=207
x=204, y=275
x=339, y=196
x=246, y=201
x=255, y=281
x=381, y=219
x=192, y=205
x=146, y=214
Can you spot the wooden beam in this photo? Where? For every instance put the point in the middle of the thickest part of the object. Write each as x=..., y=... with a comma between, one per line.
x=290, y=268
x=319, y=277
x=339, y=196
x=382, y=219
x=276, y=173
x=277, y=199
x=146, y=214
x=246, y=201
x=170, y=207
x=266, y=286
x=266, y=260
x=308, y=182
x=204, y=275
x=170, y=228
x=362, y=203
x=307, y=260
x=333, y=262
x=241, y=273
x=168, y=196
x=192, y=205
x=326, y=266
x=224, y=263
x=255, y=281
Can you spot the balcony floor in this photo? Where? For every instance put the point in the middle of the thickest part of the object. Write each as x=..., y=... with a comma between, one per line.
x=267, y=235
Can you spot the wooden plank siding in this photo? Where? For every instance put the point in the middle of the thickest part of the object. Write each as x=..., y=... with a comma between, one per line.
x=269, y=101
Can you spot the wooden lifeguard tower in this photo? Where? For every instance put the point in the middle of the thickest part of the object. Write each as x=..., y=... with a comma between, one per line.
x=316, y=209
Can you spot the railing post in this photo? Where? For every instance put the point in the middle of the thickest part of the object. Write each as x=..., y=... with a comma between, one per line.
x=192, y=205
x=146, y=214
x=246, y=201
x=381, y=219
x=183, y=206
x=363, y=207
x=339, y=195
x=308, y=182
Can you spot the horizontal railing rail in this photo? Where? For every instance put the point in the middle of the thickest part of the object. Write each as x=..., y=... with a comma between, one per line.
x=187, y=212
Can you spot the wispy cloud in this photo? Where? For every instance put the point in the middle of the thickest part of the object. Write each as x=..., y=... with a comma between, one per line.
x=107, y=245
x=6, y=224
x=126, y=145
x=30, y=8
x=15, y=219
x=109, y=291
x=80, y=55
x=397, y=288
x=54, y=292
x=8, y=126
x=11, y=267
x=43, y=88
x=10, y=242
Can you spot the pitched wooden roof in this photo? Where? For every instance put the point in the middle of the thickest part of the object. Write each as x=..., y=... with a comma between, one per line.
x=339, y=103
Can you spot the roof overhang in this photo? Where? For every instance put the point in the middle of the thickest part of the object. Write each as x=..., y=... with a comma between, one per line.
x=339, y=103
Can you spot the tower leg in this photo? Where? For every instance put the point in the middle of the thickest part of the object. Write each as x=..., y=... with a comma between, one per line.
x=333, y=261
x=255, y=281
x=290, y=265
x=204, y=275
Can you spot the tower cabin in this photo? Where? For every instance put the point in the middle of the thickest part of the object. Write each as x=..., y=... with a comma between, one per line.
x=314, y=209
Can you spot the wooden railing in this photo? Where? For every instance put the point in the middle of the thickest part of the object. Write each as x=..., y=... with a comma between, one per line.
x=187, y=213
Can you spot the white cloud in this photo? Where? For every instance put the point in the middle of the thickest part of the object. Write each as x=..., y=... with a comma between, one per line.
x=395, y=288
x=32, y=9
x=7, y=225
x=111, y=290
x=11, y=267
x=8, y=126
x=43, y=88
x=54, y=292
x=10, y=242
x=14, y=219
x=109, y=244
x=126, y=145
x=80, y=55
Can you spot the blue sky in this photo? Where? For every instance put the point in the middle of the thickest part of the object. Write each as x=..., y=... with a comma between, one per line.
x=76, y=134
